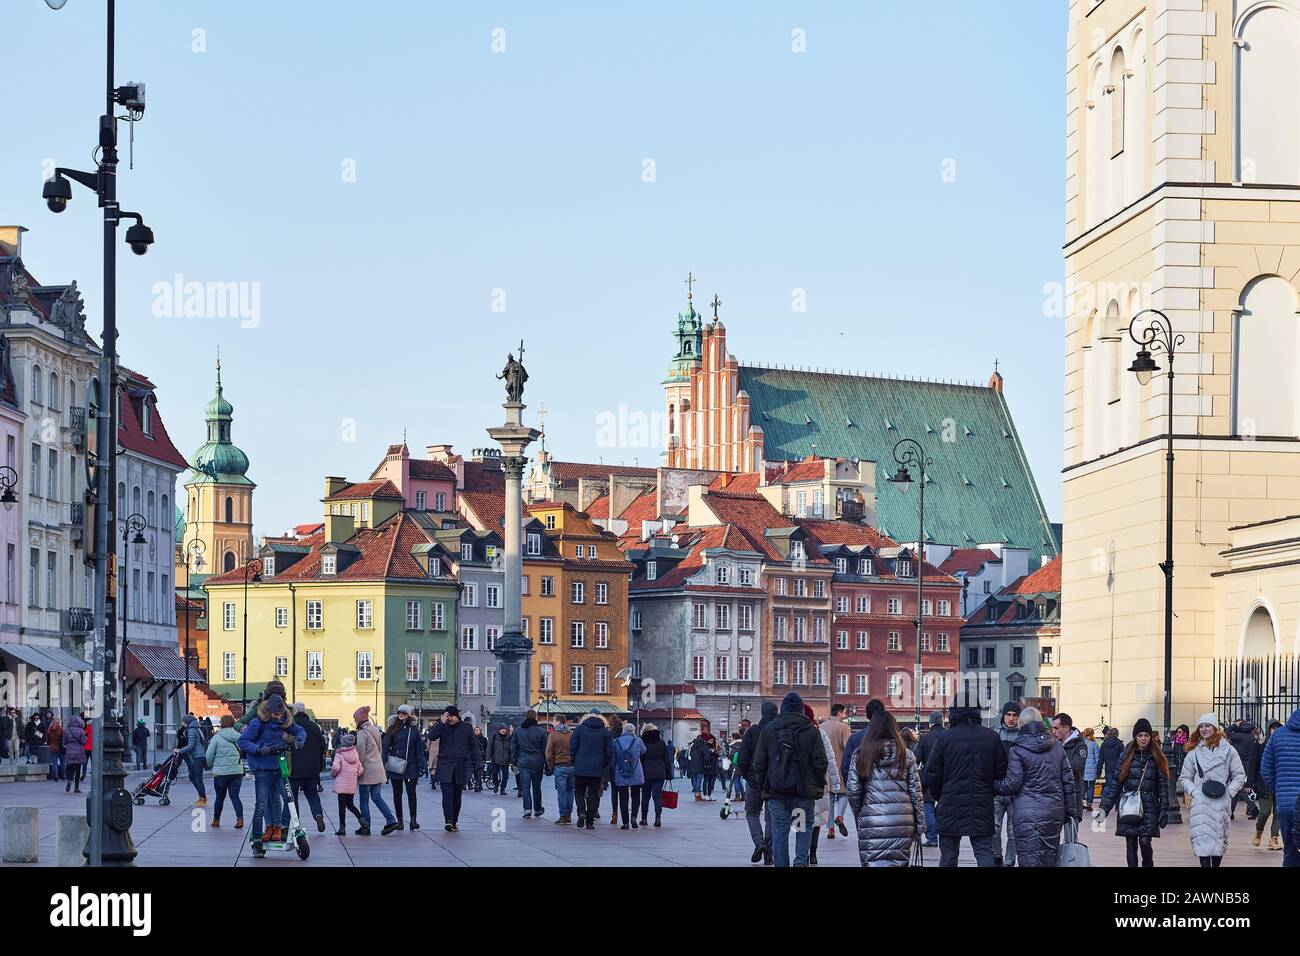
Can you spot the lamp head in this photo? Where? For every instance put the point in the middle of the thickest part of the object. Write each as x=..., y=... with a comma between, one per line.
x=902, y=476
x=7, y=499
x=1144, y=366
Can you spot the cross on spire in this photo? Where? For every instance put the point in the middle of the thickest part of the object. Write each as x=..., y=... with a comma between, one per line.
x=995, y=366
x=715, y=303
x=541, y=417
x=690, y=282
x=521, y=351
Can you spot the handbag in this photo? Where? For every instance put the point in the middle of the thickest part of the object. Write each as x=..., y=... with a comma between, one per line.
x=1130, y=803
x=1211, y=788
x=918, y=855
x=1071, y=852
x=397, y=765
x=668, y=796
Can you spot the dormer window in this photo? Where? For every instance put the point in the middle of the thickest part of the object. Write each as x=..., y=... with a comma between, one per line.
x=466, y=552
x=268, y=567
x=842, y=565
x=796, y=550
x=146, y=417
x=550, y=522
x=651, y=570
x=328, y=564
x=864, y=566
x=904, y=568
x=722, y=574
x=534, y=543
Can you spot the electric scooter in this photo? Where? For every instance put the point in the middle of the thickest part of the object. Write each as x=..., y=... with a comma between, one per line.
x=295, y=837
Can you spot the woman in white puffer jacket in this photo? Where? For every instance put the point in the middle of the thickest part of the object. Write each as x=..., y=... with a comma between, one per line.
x=1210, y=758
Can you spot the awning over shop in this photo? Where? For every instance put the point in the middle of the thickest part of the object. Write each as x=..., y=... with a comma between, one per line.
x=49, y=659
x=158, y=662
x=546, y=708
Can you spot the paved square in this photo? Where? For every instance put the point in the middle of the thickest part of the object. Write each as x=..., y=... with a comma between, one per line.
x=493, y=834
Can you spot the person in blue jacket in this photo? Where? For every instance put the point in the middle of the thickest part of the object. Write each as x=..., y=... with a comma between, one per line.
x=194, y=754
x=265, y=735
x=592, y=752
x=1280, y=770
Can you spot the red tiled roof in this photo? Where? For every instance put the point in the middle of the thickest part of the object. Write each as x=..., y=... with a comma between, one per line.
x=303, y=530
x=484, y=476
x=752, y=516
x=566, y=472
x=598, y=508
x=850, y=532
x=713, y=537
x=366, y=489
x=425, y=469
x=810, y=469
x=1046, y=580
x=642, y=508
x=967, y=560
x=157, y=445
x=488, y=508
x=385, y=553
x=746, y=484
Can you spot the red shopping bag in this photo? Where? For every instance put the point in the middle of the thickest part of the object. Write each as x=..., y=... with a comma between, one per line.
x=669, y=798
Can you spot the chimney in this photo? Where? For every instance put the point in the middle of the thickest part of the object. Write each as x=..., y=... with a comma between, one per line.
x=11, y=240
x=437, y=452
x=334, y=484
x=995, y=382
x=339, y=528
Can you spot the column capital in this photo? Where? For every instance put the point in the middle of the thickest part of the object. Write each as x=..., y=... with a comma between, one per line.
x=514, y=466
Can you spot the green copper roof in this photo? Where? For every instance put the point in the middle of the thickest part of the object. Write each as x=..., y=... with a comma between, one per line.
x=180, y=525
x=979, y=488
x=218, y=460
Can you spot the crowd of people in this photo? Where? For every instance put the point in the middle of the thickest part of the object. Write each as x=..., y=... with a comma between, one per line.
x=1015, y=792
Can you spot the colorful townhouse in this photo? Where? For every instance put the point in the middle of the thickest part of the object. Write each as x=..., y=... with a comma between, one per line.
x=426, y=484
x=364, y=612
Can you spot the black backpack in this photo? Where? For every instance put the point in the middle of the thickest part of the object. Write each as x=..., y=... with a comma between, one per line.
x=784, y=767
x=626, y=761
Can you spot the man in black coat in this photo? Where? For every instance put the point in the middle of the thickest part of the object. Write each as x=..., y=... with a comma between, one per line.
x=960, y=769
x=1076, y=751
x=790, y=760
x=456, y=755
x=1110, y=752
x=760, y=830
x=924, y=748
x=306, y=763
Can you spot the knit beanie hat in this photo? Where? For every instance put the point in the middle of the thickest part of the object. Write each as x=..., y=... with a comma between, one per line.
x=1210, y=718
x=348, y=740
x=1143, y=726
x=361, y=714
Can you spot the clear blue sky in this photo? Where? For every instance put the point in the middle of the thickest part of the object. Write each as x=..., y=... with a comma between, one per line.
x=523, y=171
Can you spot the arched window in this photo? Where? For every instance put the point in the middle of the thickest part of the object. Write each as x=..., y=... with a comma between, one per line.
x=672, y=419
x=230, y=510
x=1268, y=96
x=228, y=563
x=1117, y=100
x=36, y=384
x=54, y=390
x=1259, y=639
x=149, y=515
x=121, y=499
x=165, y=517
x=72, y=394
x=1266, y=361
x=135, y=501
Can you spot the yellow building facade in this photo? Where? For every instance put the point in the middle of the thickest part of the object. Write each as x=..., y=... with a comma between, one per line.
x=1183, y=158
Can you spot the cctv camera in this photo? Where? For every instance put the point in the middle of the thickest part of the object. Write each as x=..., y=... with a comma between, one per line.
x=56, y=193
x=139, y=237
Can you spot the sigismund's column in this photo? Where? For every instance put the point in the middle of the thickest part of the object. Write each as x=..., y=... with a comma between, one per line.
x=513, y=649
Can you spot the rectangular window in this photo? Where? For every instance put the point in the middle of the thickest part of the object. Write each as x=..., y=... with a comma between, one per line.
x=268, y=566
x=945, y=608
x=523, y=581
x=413, y=616
x=972, y=657
x=800, y=587
x=864, y=566
x=494, y=632
x=315, y=616
x=469, y=680
x=602, y=679
x=469, y=638
x=895, y=605
x=577, y=634
x=34, y=473
x=699, y=667
x=780, y=587
x=602, y=635
x=841, y=640
x=652, y=570
x=315, y=665
x=895, y=641
x=365, y=615
x=746, y=577
x=546, y=630
x=896, y=684
x=779, y=627
x=636, y=619
x=602, y=592
x=801, y=629
x=419, y=501
x=328, y=563
x=904, y=568
x=440, y=501
x=841, y=605
x=1017, y=656
x=437, y=660
x=577, y=551
x=990, y=657
x=437, y=616
x=800, y=673
x=778, y=671
x=819, y=630
x=842, y=566
x=490, y=681
x=282, y=667
x=819, y=588
x=722, y=668
x=364, y=669
x=9, y=574
x=492, y=596
x=467, y=551
x=534, y=544
x=943, y=643
x=819, y=673
x=746, y=621
x=864, y=604
x=469, y=595
x=546, y=676
x=860, y=684
x=228, y=615
x=864, y=641
x=1045, y=655
x=579, y=592
x=51, y=578
x=926, y=608
x=413, y=669
x=550, y=522
x=576, y=684
x=281, y=617
x=52, y=476
x=724, y=617
x=841, y=683
x=925, y=641
x=548, y=587
x=700, y=616
x=744, y=667
x=721, y=574
x=228, y=665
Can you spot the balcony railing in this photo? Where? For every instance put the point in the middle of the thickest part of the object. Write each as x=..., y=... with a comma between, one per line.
x=81, y=620
x=77, y=426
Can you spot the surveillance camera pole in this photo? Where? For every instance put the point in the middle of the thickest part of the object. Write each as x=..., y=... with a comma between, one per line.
x=109, y=804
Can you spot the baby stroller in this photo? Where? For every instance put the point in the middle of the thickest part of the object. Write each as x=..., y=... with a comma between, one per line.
x=160, y=783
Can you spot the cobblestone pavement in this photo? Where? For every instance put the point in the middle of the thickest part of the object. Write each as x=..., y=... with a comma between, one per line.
x=493, y=834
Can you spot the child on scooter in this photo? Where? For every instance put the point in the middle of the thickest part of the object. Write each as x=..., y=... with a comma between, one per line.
x=270, y=731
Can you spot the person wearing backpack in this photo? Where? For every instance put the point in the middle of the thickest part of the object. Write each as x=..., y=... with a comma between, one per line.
x=227, y=765
x=194, y=754
x=1143, y=770
x=757, y=816
x=790, y=760
x=629, y=775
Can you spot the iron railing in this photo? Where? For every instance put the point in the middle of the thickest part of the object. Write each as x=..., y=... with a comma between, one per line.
x=1259, y=690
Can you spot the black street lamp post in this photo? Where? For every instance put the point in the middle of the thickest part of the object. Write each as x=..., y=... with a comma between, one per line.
x=193, y=555
x=133, y=525
x=908, y=451
x=109, y=804
x=1159, y=335
x=253, y=571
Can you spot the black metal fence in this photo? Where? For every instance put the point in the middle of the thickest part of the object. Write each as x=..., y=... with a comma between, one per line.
x=1259, y=690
